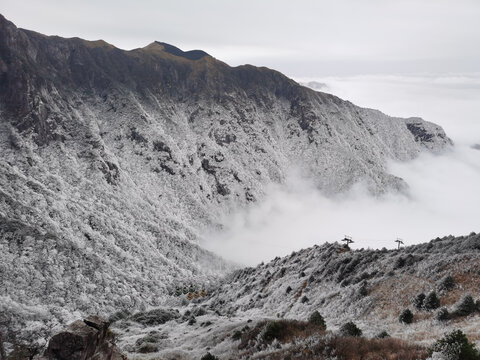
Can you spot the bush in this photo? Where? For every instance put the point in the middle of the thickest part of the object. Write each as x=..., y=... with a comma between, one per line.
x=465, y=306
x=209, y=356
x=155, y=317
x=419, y=300
x=442, y=315
x=304, y=299
x=446, y=283
x=406, y=317
x=455, y=346
x=147, y=347
x=382, y=335
x=237, y=335
x=431, y=302
x=288, y=290
x=318, y=320
x=272, y=331
x=281, y=330
x=119, y=315
x=350, y=329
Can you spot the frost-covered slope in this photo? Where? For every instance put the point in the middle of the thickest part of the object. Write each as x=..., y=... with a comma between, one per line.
x=368, y=287
x=113, y=161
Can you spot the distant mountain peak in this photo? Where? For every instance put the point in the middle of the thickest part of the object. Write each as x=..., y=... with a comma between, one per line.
x=173, y=50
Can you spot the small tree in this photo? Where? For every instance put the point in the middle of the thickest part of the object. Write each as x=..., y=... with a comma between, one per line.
x=431, y=302
x=406, y=316
x=350, y=329
x=419, y=300
x=465, y=306
x=442, y=314
x=446, y=283
x=209, y=356
x=455, y=346
x=382, y=335
x=318, y=320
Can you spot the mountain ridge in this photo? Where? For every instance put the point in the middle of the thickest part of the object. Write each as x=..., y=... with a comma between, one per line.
x=113, y=162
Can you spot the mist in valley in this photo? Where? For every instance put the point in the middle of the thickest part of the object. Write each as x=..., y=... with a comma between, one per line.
x=443, y=196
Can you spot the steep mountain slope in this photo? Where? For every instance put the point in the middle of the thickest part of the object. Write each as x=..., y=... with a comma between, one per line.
x=113, y=161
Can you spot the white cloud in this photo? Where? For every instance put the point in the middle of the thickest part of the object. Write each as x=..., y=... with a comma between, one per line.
x=444, y=195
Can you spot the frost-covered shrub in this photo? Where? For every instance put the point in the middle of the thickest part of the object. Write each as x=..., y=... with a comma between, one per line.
x=350, y=329
x=209, y=356
x=199, y=311
x=418, y=301
x=272, y=331
x=406, y=316
x=288, y=289
x=155, y=317
x=363, y=289
x=455, y=346
x=399, y=263
x=382, y=335
x=442, y=314
x=304, y=299
x=119, y=315
x=147, y=347
x=318, y=320
x=465, y=306
x=446, y=283
x=431, y=302
x=237, y=335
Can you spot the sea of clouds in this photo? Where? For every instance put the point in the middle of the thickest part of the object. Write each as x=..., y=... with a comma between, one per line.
x=444, y=193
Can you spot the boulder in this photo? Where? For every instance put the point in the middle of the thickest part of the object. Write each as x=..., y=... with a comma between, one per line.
x=82, y=340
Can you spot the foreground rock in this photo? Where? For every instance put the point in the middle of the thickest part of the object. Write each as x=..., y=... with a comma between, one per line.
x=84, y=339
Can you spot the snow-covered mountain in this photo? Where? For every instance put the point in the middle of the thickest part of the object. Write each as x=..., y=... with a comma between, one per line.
x=112, y=162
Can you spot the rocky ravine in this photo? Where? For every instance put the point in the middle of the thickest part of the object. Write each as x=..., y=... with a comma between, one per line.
x=113, y=161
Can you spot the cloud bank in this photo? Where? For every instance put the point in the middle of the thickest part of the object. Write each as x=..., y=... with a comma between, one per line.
x=443, y=199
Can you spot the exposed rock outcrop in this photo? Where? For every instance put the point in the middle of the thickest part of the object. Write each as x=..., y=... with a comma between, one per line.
x=84, y=340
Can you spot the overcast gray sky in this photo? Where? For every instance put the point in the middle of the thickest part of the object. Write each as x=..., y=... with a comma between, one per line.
x=299, y=38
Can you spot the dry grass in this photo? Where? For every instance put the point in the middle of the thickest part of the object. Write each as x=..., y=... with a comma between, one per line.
x=374, y=349
x=349, y=348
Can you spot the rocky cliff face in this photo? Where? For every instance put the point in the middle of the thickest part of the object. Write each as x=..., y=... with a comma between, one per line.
x=113, y=161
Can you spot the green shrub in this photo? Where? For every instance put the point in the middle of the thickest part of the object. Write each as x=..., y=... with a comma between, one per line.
x=318, y=320
x=431, y=302
x=465, y=306
x=406, y=316
x=455, y=346
x=350, y=329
